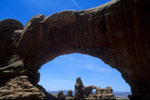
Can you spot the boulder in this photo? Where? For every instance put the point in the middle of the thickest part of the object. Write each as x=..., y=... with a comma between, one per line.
x=69, y=93
x=60, y=95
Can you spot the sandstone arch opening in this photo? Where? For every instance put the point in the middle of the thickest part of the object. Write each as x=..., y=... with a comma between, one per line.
x=117, y=33
x=94, y=91
x=61, y=73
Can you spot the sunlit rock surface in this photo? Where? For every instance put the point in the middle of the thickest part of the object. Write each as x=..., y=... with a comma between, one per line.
x=82, y=92
x=86, y=93
x=116, y=32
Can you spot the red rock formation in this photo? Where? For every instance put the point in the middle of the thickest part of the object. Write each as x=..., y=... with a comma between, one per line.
x=78, y=89
x=116, y=32
x=84, y=93
x=69, y=93
x=61, y=95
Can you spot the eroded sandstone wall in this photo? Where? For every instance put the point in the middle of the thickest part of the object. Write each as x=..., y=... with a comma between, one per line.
x=116, y=32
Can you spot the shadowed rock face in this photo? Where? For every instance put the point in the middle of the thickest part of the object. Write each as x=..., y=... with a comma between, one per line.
x=116, y=32
x=79, y=88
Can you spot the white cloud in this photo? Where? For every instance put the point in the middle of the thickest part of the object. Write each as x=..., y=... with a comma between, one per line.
x=96, y=68
x=75, y=3
x=82, y=62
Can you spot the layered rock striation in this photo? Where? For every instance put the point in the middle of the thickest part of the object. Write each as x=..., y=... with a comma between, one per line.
x=116, y=32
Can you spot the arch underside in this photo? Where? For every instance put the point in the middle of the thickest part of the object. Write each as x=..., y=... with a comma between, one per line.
x=116, y=32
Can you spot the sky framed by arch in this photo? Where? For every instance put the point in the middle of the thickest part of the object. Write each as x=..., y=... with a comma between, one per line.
x=61, y=73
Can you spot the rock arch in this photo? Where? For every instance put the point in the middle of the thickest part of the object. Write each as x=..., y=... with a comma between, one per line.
x=116, y=32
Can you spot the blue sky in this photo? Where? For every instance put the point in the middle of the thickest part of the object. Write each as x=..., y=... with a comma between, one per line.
x=23, y=10
x=61, y=73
